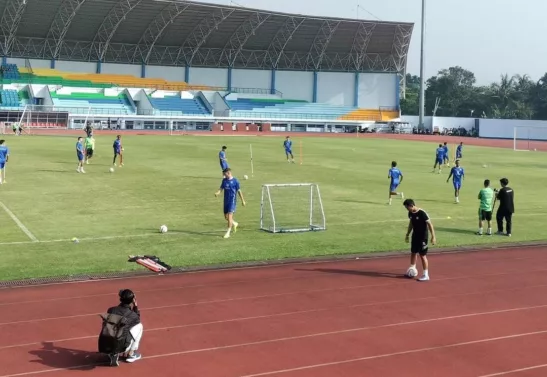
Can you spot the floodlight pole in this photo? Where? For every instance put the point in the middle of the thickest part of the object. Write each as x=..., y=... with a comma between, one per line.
x=422, y=79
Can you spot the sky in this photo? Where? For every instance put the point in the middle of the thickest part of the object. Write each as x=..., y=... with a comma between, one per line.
x=487, y=37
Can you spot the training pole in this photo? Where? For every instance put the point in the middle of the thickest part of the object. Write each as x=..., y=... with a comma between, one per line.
x=252, y=165
x=301, y=155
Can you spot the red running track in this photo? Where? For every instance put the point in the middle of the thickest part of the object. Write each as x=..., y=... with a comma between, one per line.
x=483, y=314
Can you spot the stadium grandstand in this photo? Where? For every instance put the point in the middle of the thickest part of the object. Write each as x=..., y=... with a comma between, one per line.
x=151, y=64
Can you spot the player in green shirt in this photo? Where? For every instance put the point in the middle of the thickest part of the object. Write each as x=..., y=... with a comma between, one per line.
x=89, y=147
x=486, y=196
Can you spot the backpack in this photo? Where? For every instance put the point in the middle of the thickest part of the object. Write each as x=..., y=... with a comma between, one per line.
x=112, y=338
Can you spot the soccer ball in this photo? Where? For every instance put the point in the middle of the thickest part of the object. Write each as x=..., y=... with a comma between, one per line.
x=412, y=272
x=163, y=229
x=246, y=176
x=112, y=170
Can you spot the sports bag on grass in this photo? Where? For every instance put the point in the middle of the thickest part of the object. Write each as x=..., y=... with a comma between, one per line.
x=113, y=334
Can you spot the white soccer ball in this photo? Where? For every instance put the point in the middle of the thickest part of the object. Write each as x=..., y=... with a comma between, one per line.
x=112, y=170
x=484, y=166
x=246, y=176
x=412, y=272
x=163, y=229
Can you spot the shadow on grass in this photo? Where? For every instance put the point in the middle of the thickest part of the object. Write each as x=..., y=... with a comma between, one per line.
x=67, y=358
x=373, y=274
x=454, y=230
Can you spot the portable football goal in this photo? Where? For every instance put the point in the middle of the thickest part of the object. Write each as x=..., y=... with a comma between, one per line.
x=291, y=207
x=528, y=138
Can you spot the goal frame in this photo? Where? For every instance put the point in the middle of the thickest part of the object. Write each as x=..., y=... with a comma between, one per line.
x=529, y=140
x=268, y=206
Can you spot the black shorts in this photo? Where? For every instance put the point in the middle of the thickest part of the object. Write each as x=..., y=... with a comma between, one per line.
x=485, y=215
x=89, y=153
x=419, y=247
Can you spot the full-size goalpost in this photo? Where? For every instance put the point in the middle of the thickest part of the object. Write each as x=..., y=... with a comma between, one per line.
x=526, y=138
x=291, y=207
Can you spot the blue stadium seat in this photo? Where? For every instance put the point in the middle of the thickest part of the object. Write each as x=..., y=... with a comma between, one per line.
x=9, y=98
x=178, y=106
x=10, y=71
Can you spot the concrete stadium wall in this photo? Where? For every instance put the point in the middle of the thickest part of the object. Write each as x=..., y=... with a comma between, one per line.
x=378, y=89
x=251, y=78
x=440, y=122
x=209, y=76
x=504, y=129
x=336, y=88
x=166, y=73
x=295, y=85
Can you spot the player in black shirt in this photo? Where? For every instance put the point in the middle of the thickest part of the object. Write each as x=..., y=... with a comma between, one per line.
x=420, y=226
x=506, y=207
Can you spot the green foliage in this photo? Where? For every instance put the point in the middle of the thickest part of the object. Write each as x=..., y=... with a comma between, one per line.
x=513, y=97
x=172, y=181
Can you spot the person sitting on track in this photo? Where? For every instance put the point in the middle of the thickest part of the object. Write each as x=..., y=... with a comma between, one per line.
x=133, y=329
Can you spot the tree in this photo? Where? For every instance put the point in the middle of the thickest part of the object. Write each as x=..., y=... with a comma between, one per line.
x=454, y=86
x=411, y=104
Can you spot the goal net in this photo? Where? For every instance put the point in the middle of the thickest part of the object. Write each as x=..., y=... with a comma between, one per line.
x=529, y=138
x=294, y=207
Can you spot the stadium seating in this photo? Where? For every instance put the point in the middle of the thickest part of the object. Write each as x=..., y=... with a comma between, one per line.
x=9, y=98
x=10, y=72
x=95, y=103
x=174, y=105
x=250, y=104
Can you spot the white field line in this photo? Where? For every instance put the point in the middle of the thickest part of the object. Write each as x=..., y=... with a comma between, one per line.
x=222, y=231
x=507, y=372
x=323, y=334
x=19, y=223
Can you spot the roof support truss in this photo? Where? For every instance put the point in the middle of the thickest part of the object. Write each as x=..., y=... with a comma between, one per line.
x=10, y=22
x=238, y=39
x=401, y=43
x=360, y=45
x=199, y=35
x=280, y=40
x=156, y=28
x=61, y=24
x=320, y=43
x=110, y=24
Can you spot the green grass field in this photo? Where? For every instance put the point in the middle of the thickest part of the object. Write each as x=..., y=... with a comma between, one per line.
x=172, y=180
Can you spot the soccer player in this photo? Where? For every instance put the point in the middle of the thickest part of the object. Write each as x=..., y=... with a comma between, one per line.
x=457, y=174
x=439, y=158
x=89, y=147
x=459, y=151
x=4, y=157
x=420, y=226
x=88, y=130
x=396, y=178
x=287, y=144
x=222, y=159
x=118, y=150
x=80, y=153
x=445, y=158
x=486, y=196
x=230, y=186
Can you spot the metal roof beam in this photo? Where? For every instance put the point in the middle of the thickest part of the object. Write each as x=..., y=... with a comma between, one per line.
x=10, y=23
x=360, y=44
x=110, y=25
x=242, y=34
x=156, y=28
x=281, y=39
x=320, y=43
x=401, y=44
x=60, y=25
x=200, y=34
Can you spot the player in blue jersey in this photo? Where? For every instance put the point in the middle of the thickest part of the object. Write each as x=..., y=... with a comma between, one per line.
x=230, y=186
x=396, y=177
x=287, y=144
x=4, y=157
x=459, y=151
x=80, y=153
x=222, y=159
x=118, y=150
x=446, y=159
x=457, y=174
x=439, y=158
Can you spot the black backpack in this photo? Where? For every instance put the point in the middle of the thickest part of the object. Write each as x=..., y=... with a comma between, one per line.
x=113, y=334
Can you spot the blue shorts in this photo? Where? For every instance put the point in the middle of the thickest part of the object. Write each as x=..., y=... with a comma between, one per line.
x=2, y=165
x=224, y=166
x=117, y=152
x=458, y=155
x=393, y=186
x=439, y=161
x=80, y=156
x=288, y=151
x=457, y=185
x=229, y=208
